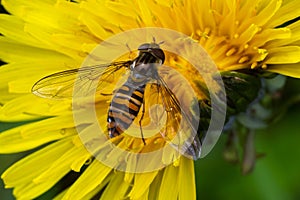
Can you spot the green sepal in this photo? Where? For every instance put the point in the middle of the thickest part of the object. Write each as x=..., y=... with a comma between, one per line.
x=241, y=90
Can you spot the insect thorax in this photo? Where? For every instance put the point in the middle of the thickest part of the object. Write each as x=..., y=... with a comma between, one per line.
x=144, y=68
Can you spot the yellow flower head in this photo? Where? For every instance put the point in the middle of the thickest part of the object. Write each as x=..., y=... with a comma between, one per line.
x=44, y=37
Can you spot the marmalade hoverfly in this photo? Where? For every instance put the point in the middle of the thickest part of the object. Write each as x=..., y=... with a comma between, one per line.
x=128, y=99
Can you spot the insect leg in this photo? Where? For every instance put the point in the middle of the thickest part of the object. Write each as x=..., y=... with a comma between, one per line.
x=140, y=121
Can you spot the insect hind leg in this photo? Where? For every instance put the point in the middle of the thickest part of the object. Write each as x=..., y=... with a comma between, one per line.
x=140, y=122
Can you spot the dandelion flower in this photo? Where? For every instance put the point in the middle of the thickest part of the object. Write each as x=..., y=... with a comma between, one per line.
x=43, y=37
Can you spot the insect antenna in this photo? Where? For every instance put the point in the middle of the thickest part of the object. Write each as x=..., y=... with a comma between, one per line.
x=131, y=54
x=154, y=41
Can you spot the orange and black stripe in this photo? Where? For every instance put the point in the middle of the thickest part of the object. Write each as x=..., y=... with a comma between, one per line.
x=124, y=108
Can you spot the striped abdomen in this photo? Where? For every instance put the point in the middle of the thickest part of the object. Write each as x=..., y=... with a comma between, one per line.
x=124, y=107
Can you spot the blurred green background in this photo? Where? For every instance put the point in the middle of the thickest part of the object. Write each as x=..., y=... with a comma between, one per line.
x=276, y=175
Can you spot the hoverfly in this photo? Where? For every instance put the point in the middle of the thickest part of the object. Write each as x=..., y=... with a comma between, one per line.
x=128, y=100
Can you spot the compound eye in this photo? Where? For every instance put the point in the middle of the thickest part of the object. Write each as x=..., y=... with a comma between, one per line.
x=159, y=54
x=145, y=46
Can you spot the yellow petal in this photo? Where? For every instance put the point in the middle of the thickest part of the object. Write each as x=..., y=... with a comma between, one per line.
x=292, y=70
x=204, y=11
x=15, y=79
x=61, y=166
x=81, y=159
x=155, y=185
x=41, y=13
x=117, y=185
x=266, y=9
x=90, y=195
x=11, y=51
x=23, y=85
x=247, y=35
x=269, y=35
x=289, y=10
x=186, y=181
x=17, y=109
x=169, y=184
x=16, y=7
x=281, y=55
x=20, y=139
x=13, y=28
x=294, y=37
x=24, y=105
x=45, y=35
x=145, y=13
x=144, y=179
x=34, y=164
x=67, y=7
x=229, y=18
x=72, y=41
x=5, y=97
x=93, y=176
x=17, y=118
x=56, y=170
x=61, y=122
x=94, y=192
x=94, y=24
x=35, y=69
x=110, y=19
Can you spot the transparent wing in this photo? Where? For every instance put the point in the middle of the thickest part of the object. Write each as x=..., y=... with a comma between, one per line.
x=181, y=119
x=61, y=85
